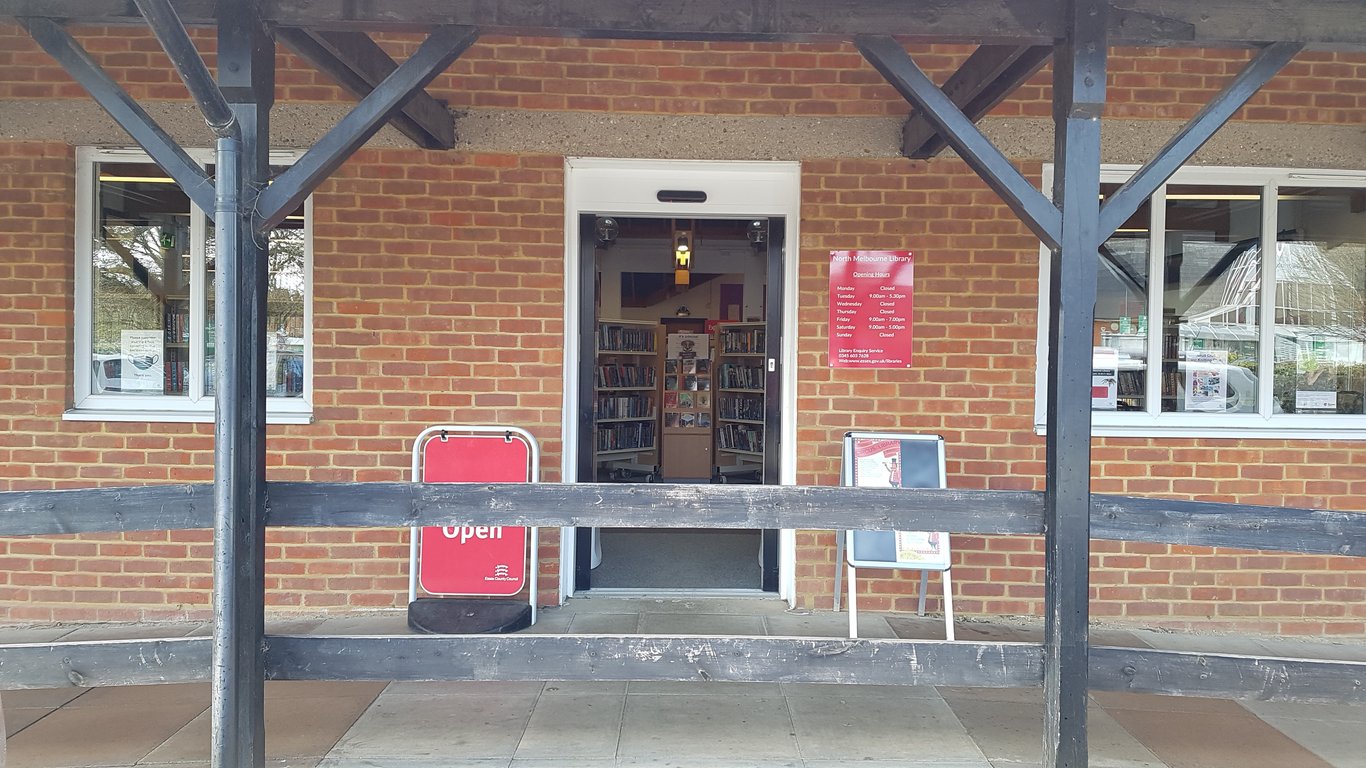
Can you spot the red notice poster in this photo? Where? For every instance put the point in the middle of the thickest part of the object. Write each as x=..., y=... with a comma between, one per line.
x=870, y=309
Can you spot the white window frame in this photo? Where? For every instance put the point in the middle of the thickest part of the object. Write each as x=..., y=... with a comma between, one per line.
x=1154, y=423
x=194, y=406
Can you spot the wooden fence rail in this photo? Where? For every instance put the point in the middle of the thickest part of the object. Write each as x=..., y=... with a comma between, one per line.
x=734, y=659
x=326, y=505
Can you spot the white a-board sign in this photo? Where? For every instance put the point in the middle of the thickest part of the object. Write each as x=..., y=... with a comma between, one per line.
x=888, y=460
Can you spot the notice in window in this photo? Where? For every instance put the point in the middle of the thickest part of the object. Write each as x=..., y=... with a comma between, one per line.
x=1206, y=379
x=870, y=309
x=141, y=368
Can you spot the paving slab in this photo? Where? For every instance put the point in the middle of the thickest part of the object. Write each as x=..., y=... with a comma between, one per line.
x=1010, y=730
x=1183, y=738
x=438, y=725
x=879, y=727
x=840, y=690
x=911, y=761
x=573, y=726
x=1337, y=743
x=828, y=624
x=701, y=688
x=739, y=729
x=43, y=633
x=97, y=736
x=415, y=763
x=140, y=696
x=711, y=624
x=297, y=728
x=605, y=624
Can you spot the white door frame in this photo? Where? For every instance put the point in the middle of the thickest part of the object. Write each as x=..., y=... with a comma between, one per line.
x=734, y=190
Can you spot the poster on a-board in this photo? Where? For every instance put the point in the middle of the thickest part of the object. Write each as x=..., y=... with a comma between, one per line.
x=883, y=460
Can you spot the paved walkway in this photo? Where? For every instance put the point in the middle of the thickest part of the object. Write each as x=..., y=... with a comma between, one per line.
x=679, y=725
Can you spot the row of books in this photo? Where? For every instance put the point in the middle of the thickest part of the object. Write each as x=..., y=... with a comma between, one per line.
x=742, y=342
x=626, y=435
x=1130, y=383
x=741, y=437
x=176, y=373
x=618, y=338
x=625, y=376
x=177, y=327
x=731, y=376
x=623, y=407
x=748, y=407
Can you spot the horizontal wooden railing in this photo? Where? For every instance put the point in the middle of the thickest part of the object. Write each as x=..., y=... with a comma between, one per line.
x=735, y=659
x=353, y=505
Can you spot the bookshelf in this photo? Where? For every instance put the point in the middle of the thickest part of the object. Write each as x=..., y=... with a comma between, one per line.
x=741, y=351
x=176, y=345
x=687, y=398
x=626, y=400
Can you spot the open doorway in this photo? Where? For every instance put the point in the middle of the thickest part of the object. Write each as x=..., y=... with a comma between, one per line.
x=680, y=333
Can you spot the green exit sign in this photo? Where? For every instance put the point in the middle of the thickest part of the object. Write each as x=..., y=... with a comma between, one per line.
x=168, y=240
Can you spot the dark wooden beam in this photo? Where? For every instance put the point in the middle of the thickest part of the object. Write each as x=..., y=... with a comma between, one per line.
x=1034, y=209
x=1212, y=524
x=1228, y=676
x=698, y=659
x=131, y=117
x=94, y=664
x=443, y=46
x=990, y=74
x=359, y=65
x=1079, y=73
x=1123, y=518
x=650, y=504
x=246, y=78
x=1201, y=128
x=1214, y=23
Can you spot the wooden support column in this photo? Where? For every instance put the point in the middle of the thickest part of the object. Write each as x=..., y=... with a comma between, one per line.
x=246, y=75
x=1078, y=97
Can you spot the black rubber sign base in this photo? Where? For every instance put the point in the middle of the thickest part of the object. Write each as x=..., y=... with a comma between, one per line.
x=467, y=616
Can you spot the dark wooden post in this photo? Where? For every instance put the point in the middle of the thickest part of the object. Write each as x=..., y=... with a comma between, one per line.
x=246, y=75
x=1078, y=98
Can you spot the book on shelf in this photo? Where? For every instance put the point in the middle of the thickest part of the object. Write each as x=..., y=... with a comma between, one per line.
x=732, y=376
x=625, y=338
x=742, y=341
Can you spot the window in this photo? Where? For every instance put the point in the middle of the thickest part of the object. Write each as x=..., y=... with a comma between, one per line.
x=1200, y=330
x=145, y=266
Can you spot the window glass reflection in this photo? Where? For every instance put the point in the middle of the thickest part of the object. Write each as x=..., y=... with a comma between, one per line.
x=1320, y=347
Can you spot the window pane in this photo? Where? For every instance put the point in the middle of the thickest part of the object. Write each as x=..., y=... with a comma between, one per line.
x=1210, y=299
x=1121, y=357
x=284, y=308
x=140, y=282
x=1321, y=300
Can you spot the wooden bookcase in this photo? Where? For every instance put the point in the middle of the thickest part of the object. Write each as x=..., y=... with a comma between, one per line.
x=688, y=396
x=740, y=354
x=626, y=400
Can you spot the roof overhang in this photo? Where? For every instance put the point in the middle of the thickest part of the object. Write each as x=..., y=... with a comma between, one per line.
x=1333, y=24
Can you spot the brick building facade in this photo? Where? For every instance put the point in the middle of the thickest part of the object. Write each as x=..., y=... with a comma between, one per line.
x=438, y=292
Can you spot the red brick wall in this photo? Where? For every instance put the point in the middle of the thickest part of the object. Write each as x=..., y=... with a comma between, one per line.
x=717, y=78
x=976, y=314
x=438, y=297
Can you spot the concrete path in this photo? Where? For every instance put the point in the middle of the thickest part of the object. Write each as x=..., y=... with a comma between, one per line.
x=678, y=725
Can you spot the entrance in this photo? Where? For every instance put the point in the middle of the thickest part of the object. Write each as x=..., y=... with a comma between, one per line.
x=680, y=191
x=680, y=332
